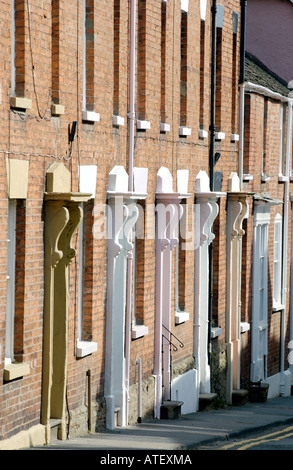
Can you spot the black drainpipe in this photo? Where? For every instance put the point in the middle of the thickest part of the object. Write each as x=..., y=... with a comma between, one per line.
x=212, y=161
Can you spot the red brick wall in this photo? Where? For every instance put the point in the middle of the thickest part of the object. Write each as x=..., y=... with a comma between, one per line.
x=258, y=138
x=41, y=138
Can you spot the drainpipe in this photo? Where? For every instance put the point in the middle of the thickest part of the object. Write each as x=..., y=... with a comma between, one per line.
x=241, y=89
x=131, y=121
x=212, y=160
x=285, y=244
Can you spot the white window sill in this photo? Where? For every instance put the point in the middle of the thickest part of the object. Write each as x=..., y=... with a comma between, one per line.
x=85, y=348
x=202, y=134
x=265, y=178
x=138, y=331
x=234, y=137
x=181, y=317
x=164, y=127
x=90, y=116
x=183, y=131
x=278, y=306
x=118, y=120
x=283, y=179
x=220, y=135
x=215, y=332
x=142, y=125
x=244, y=326
x=247, y=177
x=15, y=370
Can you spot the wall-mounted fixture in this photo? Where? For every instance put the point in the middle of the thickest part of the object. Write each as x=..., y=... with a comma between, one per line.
x=72, y=131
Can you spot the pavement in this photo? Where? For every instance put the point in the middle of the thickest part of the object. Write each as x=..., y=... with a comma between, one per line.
x=188, y=432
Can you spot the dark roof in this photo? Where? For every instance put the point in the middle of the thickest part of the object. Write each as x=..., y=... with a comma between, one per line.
x=259, y=74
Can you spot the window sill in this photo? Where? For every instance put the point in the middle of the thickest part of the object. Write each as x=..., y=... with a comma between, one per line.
x=234, y=137
x=283, y=179
x=216, y=331
x=20, y=102
x=15, y=371
x=184, y=131
x=220, y=135
x=265, y=178
x=244, y=326
x=90, y=116
x=143, y=125
x=164, y=127
x=138, y=331
x=247, y=177
x=85, y=348
x=277, y=307
x=202, y=134
x=118, y=120
x=181, y=317
x=57, y=109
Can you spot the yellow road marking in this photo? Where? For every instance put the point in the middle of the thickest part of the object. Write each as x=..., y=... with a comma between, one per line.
x=245, y=444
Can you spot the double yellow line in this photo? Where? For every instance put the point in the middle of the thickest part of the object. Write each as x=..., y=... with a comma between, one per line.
x=274, y=436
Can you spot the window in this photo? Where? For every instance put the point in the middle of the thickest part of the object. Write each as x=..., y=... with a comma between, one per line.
x=88, y=102
x=283, y=134
x=277, y=289
x=234, y=119
x=219, y=66
x=163, y=61
x=18, y=18
x=14, y=334
x=183, y=69
x=141, y=60
x=264, y=145
x=180, y=280
x=116, y=56
x=10, y=308
x=85, y=345
x=13, y=70
x=55, y=51
x=138, y=327
x=202, y=87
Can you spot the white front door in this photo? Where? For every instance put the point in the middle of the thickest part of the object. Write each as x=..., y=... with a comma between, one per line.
x=260, y=295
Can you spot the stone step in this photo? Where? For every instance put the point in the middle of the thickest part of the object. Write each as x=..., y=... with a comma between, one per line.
x=171, y=409
x=54, y=425
x=239, y=397
x=206, y=401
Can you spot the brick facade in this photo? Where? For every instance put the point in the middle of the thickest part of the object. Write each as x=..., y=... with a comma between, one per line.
x=53, y=66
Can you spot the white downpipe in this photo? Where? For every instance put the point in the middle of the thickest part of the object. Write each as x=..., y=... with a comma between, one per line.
x=138, y=362
x=131, y=117
x=285, y=242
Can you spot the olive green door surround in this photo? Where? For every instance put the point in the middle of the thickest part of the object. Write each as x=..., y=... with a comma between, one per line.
x=63, y=214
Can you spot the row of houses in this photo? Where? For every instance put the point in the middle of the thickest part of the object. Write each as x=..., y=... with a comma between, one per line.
x=145, y=194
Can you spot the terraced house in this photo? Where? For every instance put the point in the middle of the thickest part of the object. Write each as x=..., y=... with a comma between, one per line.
x=145, y=178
